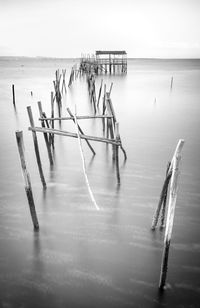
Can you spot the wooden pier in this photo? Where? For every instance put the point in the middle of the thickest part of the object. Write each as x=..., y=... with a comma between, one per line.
x=105, y=62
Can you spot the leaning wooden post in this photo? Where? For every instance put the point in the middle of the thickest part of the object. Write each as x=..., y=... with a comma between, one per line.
x=28, y=189
x=162, y=220
x=100, y=89
x=52, y=115
x=13, y=94
x=45, y=135
x=35, y=141
x=117, y=151
x=171, y=211
x=80, y=130
x=162, y=196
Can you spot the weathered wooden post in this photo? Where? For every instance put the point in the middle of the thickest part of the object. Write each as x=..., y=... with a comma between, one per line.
x=13, y=94
x=35, y=141
x=117, y=151
x=52, y=122
x=99, y=92
x=162, y=220
x=28, y=189
x=45, y=135
x=171, y=211
x=171, y=85
x=162, y=197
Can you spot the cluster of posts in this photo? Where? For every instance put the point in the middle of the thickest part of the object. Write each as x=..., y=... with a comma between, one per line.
x=110, y=127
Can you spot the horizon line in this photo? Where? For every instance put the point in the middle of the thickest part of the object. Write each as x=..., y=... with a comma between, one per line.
x=134, y=58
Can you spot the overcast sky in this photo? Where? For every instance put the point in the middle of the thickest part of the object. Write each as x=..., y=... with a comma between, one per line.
x=67, y=28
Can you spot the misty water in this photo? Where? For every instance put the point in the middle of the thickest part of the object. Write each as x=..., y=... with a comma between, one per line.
x=82, y=257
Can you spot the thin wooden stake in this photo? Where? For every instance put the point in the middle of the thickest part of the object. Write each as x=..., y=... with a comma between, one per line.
x=117, y=151
x=45, y=135
x=84, y=167
x=52, y=121
x=13, y=94
x=81, y=131
x=35, y=141
x=28, y=189
x=171, y=85
x=100, y=89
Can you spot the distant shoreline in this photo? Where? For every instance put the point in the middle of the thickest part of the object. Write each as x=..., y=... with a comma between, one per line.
x=78, y=58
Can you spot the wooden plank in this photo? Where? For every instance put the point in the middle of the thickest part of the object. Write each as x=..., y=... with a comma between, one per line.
x=73, y=135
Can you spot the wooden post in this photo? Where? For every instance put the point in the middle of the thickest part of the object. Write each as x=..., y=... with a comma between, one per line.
x=28, y=189
x=117, y=151
x=162, y=223
x=13, y=94
x=171, y=211
x=45, y=135
x=99, y=92
x=52, y=122
x=35, y=141
x=80, y=130
x=171, y=85
x=162, y=196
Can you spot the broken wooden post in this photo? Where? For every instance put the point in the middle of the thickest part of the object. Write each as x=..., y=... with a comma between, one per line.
x=13, y=94
x=171, y=211
x=28, y=189
x=45, y=135
x=35, y=141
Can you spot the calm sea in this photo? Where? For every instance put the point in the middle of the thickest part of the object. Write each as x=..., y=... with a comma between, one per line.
x=82, y=257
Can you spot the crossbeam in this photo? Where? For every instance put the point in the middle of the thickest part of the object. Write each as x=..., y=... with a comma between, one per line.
x=73, y=135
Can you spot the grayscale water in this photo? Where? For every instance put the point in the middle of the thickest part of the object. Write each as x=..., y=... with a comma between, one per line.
x=82, y=257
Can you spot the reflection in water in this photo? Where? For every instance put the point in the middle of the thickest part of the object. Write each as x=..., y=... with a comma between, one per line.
x=37, y=259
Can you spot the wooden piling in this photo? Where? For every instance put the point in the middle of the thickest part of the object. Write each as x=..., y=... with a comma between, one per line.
x=13, y=94
x=81, y=131
x=52, y=121
x=171, y=85
x=162, y=196
x=35, y=141
x=45, y=135
x=100, y=89
x=171, y=211
x=117, y=151
x=28, y=189
x=162, y=220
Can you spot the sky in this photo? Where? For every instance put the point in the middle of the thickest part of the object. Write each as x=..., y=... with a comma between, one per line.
x=68, y=28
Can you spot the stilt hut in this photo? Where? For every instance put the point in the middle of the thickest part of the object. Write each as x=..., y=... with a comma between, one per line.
x=111, y=62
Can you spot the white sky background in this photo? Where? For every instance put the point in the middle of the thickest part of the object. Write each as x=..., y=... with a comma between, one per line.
x=67, y=28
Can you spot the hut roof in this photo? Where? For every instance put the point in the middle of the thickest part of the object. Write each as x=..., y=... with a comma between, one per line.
x=113, y=52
